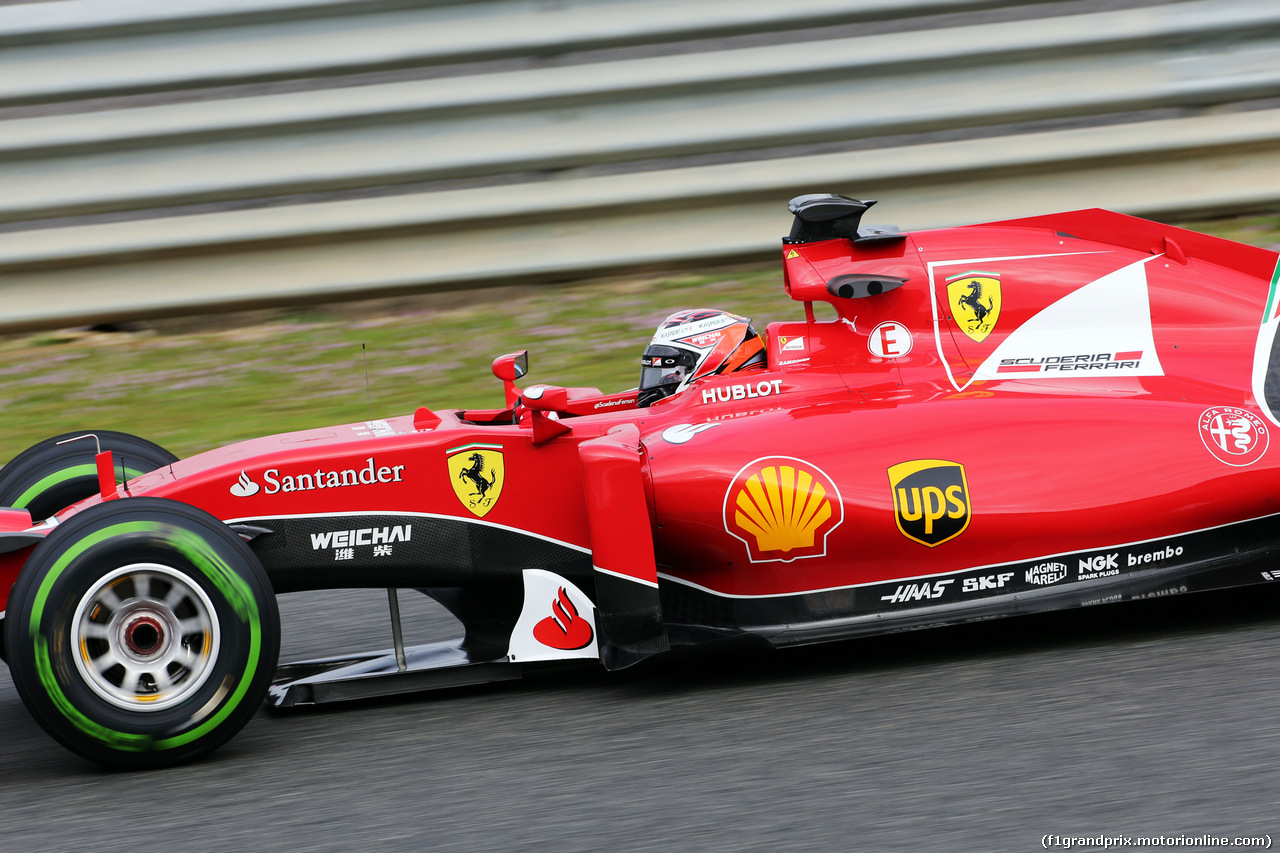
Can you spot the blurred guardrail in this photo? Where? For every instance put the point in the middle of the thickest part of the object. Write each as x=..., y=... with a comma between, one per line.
x=159, y=157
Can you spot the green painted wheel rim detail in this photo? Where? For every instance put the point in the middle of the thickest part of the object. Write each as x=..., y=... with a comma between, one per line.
x=240, y=597
x=59, y=477
x=212, y=566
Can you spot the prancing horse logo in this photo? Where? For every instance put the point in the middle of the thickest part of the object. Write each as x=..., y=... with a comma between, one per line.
x=477, y=474
x=974, y=298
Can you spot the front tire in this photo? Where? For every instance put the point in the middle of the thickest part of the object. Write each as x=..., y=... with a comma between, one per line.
x=142, y=632
x=48, y=477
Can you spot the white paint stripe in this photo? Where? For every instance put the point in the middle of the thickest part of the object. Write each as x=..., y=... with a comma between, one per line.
x=1120, y=300
x=410, y=515
x=1058, y=556
x=1262, y=350
x=1261, y=358
x=653, y=584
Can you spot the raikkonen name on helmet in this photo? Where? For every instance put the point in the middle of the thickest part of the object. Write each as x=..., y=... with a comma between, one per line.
x=689, y=345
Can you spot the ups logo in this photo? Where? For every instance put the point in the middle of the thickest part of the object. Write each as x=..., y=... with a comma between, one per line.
x=930, y=500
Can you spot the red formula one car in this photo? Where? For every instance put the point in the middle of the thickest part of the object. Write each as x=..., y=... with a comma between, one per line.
x=998, y=419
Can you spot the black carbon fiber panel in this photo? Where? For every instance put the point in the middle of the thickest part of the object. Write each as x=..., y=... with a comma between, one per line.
x=325, y=552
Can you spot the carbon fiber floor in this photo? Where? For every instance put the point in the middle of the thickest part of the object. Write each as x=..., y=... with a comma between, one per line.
x=1149, y=718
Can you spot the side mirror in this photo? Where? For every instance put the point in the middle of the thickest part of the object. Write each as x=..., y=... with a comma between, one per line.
x=509, y=368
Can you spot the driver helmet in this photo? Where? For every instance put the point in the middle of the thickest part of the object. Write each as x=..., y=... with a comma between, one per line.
x=689, y=345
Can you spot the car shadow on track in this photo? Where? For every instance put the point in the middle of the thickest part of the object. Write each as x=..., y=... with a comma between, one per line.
x=1114, y=625
x=735, y=669
x=732, y=664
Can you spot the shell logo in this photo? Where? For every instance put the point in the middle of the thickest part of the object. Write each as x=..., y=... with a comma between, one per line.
x=782, y=509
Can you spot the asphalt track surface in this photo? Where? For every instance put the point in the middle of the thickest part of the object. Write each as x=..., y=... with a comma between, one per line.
x=1156, y=717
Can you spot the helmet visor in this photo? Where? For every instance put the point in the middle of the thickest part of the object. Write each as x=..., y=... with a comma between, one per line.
x=664, y=365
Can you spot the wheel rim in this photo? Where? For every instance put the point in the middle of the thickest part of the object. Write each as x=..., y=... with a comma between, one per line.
x=145, y=636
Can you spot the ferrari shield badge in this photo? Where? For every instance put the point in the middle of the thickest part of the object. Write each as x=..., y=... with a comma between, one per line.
x=930, y=500
x=782, y=509
x=477, y=474
x=974, y=298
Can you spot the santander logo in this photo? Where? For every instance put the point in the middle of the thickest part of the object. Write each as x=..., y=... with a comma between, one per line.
x=564, y=628
x=568, y=632
x=244, y=487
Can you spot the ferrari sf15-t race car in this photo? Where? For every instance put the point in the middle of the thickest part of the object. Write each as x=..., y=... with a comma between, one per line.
x=999, y=419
